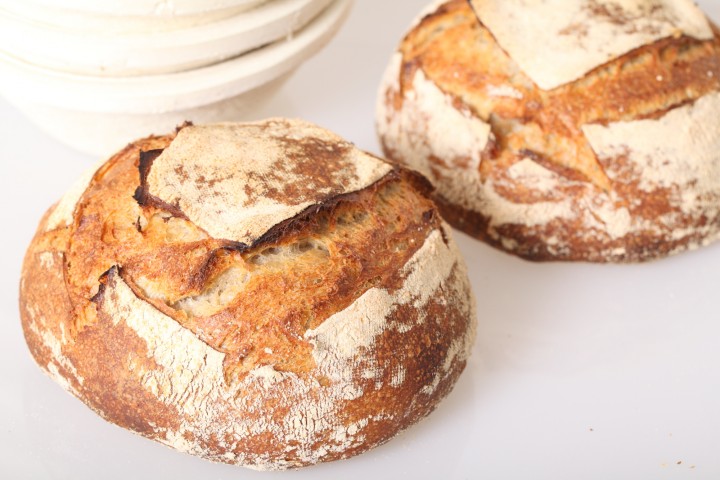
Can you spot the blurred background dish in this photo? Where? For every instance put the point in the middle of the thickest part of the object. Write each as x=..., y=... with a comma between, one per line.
x=124, y=16
x=150, y=52
x=99, y=114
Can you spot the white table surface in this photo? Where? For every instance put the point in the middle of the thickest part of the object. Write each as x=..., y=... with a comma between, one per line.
x=579, y=371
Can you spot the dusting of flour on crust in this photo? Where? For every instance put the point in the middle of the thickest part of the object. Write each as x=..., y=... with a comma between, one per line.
x=342, y=336
x=62, y=214
x=505, y=91
x=190, y=370
x=189, y=373
x=558, y=41
x=679, y=151
x=534, y=175
x=429, y=118
x=246, y=185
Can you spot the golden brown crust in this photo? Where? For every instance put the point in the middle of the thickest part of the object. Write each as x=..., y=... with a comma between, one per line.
x=251, y=354
x=450, y=50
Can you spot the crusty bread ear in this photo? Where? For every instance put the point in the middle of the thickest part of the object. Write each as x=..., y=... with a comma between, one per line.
x=259, y=294
x=613, y=159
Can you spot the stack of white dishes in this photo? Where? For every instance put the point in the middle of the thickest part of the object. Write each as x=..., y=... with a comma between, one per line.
x=99, y=73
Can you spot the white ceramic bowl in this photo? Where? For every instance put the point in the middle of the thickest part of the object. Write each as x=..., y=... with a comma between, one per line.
x=120, y=16
x=145, y=7
x=99, y=115
x=148, y=53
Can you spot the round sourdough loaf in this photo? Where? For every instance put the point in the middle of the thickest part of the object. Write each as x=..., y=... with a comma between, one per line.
x=558, y=130
x=260, y=294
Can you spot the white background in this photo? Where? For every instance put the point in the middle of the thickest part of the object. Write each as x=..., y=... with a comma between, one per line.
x=579, y=371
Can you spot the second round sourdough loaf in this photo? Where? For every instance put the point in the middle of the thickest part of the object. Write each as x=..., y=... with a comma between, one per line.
x=563, y=130
x=259, y=294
